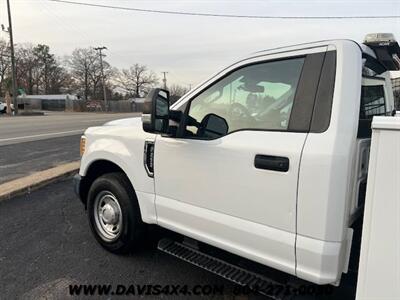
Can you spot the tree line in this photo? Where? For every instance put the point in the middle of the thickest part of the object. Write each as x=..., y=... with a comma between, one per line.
x=38, y=71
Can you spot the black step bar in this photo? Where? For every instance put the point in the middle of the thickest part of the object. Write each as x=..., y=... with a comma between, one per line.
x=233, y=273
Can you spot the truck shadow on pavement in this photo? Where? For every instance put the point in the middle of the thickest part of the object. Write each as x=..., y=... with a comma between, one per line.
x=46, y=246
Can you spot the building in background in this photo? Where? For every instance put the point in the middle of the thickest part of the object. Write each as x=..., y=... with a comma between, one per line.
x=137, y=104
x=45, y=102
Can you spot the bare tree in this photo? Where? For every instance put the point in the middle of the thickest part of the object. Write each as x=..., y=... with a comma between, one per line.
x=85, y=68
x=81, y=64
x=45, y=64
x=5, y=66
x=59, y=80
x=96, y=78
x=176, y=91
x=26, y=68
x=39, y=71
x=137, y=80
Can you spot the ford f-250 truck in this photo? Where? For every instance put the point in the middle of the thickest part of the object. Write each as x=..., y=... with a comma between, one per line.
x=267, y=160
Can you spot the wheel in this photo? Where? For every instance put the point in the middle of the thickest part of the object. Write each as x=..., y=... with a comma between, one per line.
x=114, y=214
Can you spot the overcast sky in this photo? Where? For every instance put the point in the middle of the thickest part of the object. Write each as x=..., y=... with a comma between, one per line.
x=190, y=48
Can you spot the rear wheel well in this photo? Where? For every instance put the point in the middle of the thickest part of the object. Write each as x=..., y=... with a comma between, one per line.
x=95, y=170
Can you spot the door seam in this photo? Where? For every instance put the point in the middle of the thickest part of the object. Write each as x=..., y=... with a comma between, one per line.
x=297, y=201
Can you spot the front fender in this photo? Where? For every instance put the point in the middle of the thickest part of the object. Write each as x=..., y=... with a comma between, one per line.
x=126, y=151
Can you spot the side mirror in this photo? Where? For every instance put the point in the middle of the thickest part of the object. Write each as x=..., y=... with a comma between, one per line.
x=155, y=117
x=213, y=126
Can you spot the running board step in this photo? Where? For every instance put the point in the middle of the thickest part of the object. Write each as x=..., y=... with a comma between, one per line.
x=219, y=267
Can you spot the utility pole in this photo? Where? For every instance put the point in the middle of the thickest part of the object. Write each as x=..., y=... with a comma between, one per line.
x=13, y=70
x=165, y=80
x=102, y=75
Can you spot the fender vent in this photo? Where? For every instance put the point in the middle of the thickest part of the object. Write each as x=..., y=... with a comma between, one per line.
x=148, y=158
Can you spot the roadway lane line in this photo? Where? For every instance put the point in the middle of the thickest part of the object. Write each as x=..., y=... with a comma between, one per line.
x=96, y=120
x=41, y=135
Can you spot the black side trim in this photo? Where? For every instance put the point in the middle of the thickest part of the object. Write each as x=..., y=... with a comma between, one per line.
x=77, y=180
x=384, y=54
x=373, y=64
x=148, y=158
x=321, y=117
x=274, y=163
x=300, y=117
x=364, y=129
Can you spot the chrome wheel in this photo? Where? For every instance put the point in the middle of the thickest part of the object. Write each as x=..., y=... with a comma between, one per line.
x=108, y=216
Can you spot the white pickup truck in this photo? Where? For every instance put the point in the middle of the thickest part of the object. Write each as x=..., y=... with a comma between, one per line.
x=267, y=160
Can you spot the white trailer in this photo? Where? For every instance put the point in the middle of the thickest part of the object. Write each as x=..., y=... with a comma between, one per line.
x=379, y=270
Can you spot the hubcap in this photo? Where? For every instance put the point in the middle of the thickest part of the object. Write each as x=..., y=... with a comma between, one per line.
x=108, y=216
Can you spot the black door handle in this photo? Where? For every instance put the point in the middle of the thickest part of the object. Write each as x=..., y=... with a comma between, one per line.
x=269, y=162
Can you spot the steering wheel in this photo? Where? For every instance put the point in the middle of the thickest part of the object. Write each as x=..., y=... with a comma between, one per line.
x=239, y=111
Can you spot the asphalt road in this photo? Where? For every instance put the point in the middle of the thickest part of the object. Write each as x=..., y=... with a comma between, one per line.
x=53, y=124
x=46, y=245
x=22, y=159
x=35, y=143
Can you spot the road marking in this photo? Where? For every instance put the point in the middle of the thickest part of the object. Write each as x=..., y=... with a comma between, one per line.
x=96, y=120
x=41, y=135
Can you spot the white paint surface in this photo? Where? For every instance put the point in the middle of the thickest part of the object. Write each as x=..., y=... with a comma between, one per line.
x=379, y=271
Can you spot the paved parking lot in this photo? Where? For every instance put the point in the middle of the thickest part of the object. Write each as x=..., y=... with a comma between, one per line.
x=46, y=244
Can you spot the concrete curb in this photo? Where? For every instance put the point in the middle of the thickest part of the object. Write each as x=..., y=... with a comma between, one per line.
x=37, y=180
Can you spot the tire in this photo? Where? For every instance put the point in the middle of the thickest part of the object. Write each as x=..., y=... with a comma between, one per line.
x=114, y=214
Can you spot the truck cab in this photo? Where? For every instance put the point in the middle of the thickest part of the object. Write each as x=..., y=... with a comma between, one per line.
x=266, y=160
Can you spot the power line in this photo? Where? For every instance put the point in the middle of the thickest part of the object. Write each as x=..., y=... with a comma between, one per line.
x=171, y=12
x=70, y=27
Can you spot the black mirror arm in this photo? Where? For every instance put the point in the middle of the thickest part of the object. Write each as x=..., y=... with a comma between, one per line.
x=190, y=121
x=186, y=120
x=175, y=115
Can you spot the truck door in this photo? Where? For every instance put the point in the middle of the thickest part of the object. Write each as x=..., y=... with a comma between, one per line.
x=230, y=179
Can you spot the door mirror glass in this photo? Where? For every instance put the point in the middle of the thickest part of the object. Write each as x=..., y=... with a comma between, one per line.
x=212, y=126
x=155, y=115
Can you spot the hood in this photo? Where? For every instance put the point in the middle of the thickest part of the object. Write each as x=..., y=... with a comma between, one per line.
x=136, y=121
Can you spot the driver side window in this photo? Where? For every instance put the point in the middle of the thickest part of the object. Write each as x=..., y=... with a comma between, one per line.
x=258, y=96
